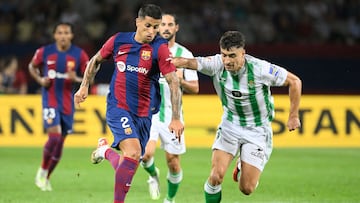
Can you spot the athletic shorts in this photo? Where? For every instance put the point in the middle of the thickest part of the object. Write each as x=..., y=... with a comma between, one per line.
x=253, y=144
x=169, y=142
x=53, y=117
x=124, y=124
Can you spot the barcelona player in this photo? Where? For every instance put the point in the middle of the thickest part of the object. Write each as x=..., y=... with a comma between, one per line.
x=56, y=67
x=139, y=58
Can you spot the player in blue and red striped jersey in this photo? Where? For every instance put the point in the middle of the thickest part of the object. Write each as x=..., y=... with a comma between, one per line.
x=139, y=58
x=56, y=67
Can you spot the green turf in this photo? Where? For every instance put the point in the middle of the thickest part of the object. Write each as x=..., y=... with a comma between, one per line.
x=292, y=175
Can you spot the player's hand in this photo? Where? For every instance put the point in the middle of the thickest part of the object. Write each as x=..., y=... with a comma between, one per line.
x=176, y=127
x=45, y=82
x=179, y=61
x=293, y=123
x=180, y=74
x=80, y=95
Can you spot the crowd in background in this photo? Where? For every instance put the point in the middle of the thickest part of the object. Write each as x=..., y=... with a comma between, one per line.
x=262, y=21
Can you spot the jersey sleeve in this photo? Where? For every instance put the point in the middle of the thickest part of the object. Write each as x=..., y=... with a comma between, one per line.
x=38, y=58
x=189, y=75
x=164, y=57
x=273, y=75
x=106, y=50
x=209, y=65
x=84, y=59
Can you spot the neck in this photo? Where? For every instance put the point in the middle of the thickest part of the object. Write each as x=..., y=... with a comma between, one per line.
x=63, y=48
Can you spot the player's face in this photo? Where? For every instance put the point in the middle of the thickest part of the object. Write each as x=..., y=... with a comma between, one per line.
x=63, y=36
x=168, y=27
x=233, y=59
x=146, y=29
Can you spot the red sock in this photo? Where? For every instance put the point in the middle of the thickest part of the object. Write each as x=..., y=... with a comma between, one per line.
x=56, y=154
x=123, y=177
x=48, y=149
x=113, y=157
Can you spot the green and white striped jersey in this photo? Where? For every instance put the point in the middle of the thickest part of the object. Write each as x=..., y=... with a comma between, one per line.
x=246, y=96
x=165, y=113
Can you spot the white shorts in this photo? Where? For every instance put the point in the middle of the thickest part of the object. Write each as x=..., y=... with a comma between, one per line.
x=168, y=140
x=254, y=144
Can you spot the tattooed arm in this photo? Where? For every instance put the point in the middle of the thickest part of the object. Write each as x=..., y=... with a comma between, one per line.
x=91, y=69
x=176, y=126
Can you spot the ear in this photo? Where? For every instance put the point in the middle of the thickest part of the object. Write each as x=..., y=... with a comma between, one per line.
x=177, y=27
x=137, y=21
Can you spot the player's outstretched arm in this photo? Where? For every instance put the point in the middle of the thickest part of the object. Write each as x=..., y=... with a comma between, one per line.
x=189, y=63
x=295, y=86
x=91, y=69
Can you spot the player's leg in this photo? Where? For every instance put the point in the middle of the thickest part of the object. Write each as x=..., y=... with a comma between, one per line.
x=254, y=155
x=148, y=164
x=173, y=149
x=131, y=150
x=225, y=148
x=174, y=176
x=66, y=122
x=51, y=120
x=219, y=164
x=131, y=134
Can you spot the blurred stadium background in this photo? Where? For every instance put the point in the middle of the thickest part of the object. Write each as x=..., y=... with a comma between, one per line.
x=317, y=40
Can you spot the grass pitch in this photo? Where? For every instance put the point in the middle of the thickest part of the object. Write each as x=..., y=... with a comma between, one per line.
x=292, y=175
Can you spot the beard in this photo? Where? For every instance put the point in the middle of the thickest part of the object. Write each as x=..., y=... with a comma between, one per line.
x=169, y=37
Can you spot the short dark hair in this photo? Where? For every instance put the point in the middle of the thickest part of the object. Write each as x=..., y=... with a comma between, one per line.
x=232, y=39
x=150, y=10
x=64, y=23
x=173, y=15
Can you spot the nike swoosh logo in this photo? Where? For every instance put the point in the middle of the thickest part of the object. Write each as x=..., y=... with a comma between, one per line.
x=51, y=62
x=127, y=184
x=121, y=52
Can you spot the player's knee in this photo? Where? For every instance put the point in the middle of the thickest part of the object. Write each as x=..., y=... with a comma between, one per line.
x=247, y=188
x=133, y=154
x=216, y=178
x=174, y=165
x=146, y=157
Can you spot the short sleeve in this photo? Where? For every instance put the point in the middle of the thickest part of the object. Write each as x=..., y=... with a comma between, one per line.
x=107, y=48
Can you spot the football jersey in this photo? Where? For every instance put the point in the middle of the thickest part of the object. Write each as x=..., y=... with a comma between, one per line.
x=245, y=96
x=134, y=84
x=55, y=65
x=165, y=112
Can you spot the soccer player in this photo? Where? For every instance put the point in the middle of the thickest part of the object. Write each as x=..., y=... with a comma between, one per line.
x=172, y=146
x=243, y=83
x=139, y=58
x=56, y=67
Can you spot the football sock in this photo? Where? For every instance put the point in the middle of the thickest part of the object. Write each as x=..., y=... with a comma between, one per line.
x=123, y=176
x=48, y=149
x=56, y=154
x=149, y=167
x=173, y=180
x=113, y=157
x=212, y=193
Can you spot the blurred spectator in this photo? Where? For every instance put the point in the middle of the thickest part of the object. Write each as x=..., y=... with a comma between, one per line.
x=12, y=79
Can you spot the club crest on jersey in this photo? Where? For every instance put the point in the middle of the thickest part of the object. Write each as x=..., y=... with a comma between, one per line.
x=70, y=65
x=128, y=131
x=251, y=84
x=236, y=94
x=146, y=55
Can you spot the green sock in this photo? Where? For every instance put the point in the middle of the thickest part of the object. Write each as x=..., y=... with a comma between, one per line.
x=150, y=167
x=172, y=189
x=212, y=193
x=173, y=184
x=212, y=198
